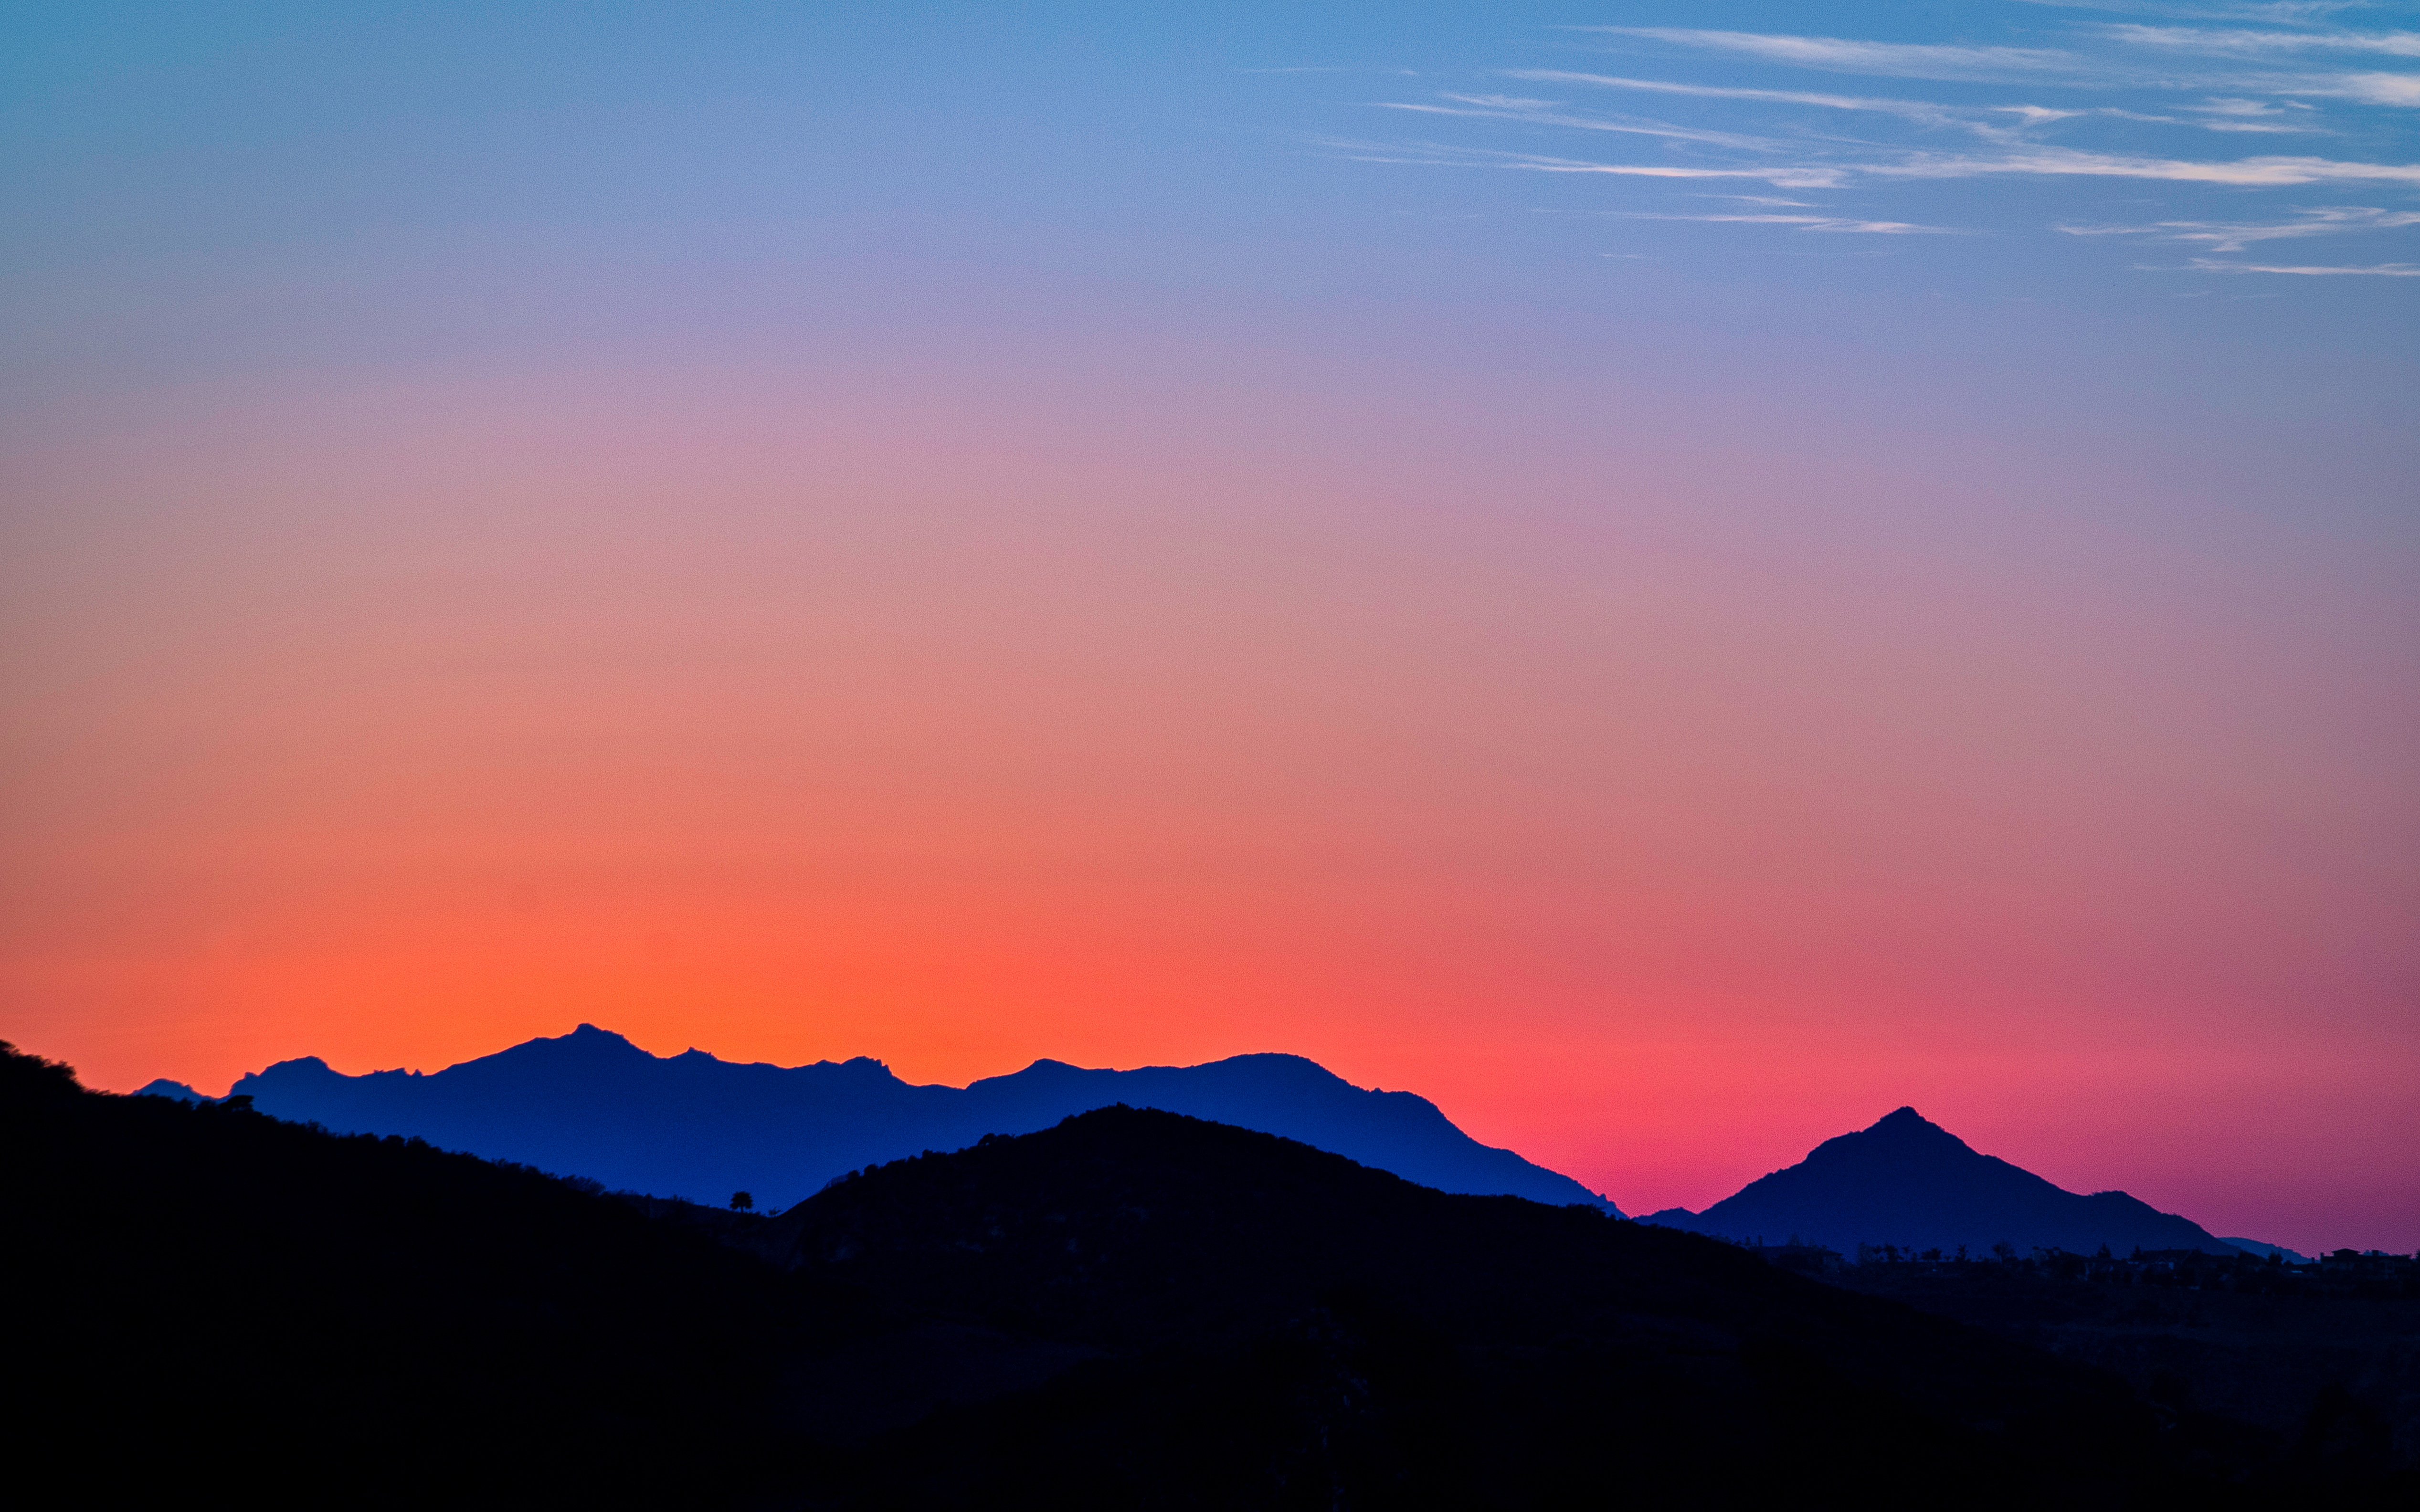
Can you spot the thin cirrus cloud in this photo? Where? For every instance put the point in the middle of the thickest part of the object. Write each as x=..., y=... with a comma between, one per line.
x=2401, y=89
x=2211, y=265
x=2266, y=171
x=2242, y=43
x=1542, y=113
x=2276, y=12
x=1916, y=109
x=1442, y=155
x=2109, y=105
x=2252, y=116
x=1916, y=60
x=1805, y=223
x=1997, y=122
x=2322, y=220
x=2216, y=106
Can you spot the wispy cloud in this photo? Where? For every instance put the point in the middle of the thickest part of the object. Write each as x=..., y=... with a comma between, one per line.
x=2065, y=65
x=2040, y=161
x=2238, y=107
x=1440, y=155
x=2135, y=96
x=2235, y=235
x=2369, y=88
x=2210, y=265
x=2241, y=43
x=1916, y=60
x=2066, y=162
x=2252, y=116
x=1706, y=91
x=1549, y=112
x=1805, y=223
x=1992, y=121
x=1779, y=178
x=2278, y=12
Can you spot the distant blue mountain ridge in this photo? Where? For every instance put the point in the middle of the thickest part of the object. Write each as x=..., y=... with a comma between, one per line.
x=1909, y=1183
x=592, y=1104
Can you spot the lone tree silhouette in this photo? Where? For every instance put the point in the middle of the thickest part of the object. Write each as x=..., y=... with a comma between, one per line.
x=742, y=1202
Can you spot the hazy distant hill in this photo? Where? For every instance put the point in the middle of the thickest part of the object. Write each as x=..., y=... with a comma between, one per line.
x=2260, y=1249
x=592, y=1104
x=1910, y=1182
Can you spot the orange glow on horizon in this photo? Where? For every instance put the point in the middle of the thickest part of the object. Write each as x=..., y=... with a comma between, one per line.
x=782, y=719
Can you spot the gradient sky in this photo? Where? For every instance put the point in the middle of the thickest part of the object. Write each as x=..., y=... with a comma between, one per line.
x=1669, y=584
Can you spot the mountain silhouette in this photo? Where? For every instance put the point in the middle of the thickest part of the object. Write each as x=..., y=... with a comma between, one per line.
x=2259, y=1249
x=592, y=1104
x=1241, y=1320
x=1910, y=1182
x=1130, y=1309
x=209, y=1297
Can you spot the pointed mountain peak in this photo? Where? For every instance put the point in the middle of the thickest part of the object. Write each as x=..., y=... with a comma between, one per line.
x=1905, y=1180
x=1902, y=1135
x=1908, y=1127
x=1904, y=1121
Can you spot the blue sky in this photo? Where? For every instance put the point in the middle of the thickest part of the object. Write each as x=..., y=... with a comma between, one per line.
x=2104, y=195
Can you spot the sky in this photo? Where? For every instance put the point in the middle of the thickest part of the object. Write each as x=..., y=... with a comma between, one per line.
x=1669, y=582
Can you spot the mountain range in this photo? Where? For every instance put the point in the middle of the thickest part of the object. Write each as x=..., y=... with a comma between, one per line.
x=591, y=1104
x=1129, y=1310
x=1907, y=1181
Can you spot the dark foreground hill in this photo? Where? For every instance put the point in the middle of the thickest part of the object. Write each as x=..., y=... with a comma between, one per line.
x=1912, y=1184
x=1130, y=1309
x=592, y=1104
x=1279, y=1327
x=205, y=1300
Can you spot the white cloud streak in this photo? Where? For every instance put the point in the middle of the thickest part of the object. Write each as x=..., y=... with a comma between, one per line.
x=1805, y=223
x=2066, y=162
x=1543, y=113
x=1920, y=60
x=1923, y=60
x=2225, y=236
x=2207, y=265
x=2238, y=44
x=2253, y=68
x=1790, y=178
x=1973, y=118
x=2276, y=12
x=1438, y=155
x=1706, y=91
x=2401, y=89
